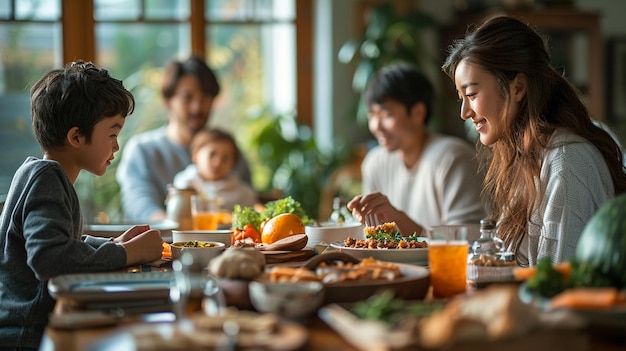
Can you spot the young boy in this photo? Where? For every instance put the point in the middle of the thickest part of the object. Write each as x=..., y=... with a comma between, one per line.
x=214, y=155
x=77, y=114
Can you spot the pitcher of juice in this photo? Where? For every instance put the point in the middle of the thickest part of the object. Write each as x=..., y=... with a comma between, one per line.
x=178, y=207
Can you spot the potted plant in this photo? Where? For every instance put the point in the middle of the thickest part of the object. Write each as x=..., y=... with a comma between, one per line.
x=389, y=37
x=286, y=160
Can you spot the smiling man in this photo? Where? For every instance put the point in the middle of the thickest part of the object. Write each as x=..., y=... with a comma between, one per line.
x=414, y=177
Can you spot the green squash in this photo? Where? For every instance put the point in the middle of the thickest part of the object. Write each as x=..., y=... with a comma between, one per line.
x=601, y=249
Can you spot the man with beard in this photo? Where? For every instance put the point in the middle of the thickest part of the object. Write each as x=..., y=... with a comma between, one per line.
x=414, y=177
x=151, y=160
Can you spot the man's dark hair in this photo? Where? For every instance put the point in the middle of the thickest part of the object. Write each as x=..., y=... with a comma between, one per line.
x=194, y=66
x=402, y=83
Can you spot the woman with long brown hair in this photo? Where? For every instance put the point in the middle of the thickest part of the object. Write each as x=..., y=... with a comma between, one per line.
x=548, y=166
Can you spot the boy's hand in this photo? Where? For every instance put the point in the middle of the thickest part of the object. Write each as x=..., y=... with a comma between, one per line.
x=144, y=247
x=131, y=233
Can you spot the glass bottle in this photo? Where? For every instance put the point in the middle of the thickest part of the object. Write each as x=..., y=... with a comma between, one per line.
x=485, y=251
x=337, y=215
x=488, y=245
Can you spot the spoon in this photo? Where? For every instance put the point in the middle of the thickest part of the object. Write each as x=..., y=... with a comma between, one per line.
x=291, y=243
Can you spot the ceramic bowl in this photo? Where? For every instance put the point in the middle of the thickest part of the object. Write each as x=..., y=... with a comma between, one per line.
x=201, y=255
x=328, y=232
x=288, y=300
x=222, y=236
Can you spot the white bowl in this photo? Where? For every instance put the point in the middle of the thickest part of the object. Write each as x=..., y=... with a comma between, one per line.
x=328, y=232
x=201, y=255
x=222, y=236
x=288, y=300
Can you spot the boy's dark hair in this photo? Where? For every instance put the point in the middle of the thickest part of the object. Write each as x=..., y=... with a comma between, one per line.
x=79, y=95
x=402, y=83
x=194, y=66
x=208, y=135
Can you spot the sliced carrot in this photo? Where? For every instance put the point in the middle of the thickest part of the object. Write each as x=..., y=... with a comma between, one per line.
x=524, y=273
x=586, y=298
x=167, y=251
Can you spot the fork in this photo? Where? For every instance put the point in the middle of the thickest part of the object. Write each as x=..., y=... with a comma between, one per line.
x=371, y=220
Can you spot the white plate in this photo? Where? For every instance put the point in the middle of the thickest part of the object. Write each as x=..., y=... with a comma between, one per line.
x=113, y=230
x=419, y=256
x=115, y=289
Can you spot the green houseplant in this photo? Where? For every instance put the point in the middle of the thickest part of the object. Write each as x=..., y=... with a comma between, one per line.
x=389, y=37
x=286, y=160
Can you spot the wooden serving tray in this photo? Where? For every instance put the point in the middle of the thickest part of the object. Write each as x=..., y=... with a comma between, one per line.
x=273, y=257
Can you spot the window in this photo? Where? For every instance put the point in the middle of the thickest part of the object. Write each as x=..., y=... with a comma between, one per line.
x=30, y=44
x=250, y=44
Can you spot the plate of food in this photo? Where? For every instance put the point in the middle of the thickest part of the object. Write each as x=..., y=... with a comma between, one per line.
x=558, y=287
x=385, y=243
x=350, y=279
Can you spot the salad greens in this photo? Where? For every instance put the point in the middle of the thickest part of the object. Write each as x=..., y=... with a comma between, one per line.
x=385, y=307
x=286, y=205
x=385, y=237
x=248, y=215
x=548, y=281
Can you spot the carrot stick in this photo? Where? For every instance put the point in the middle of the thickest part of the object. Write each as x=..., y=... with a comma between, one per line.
x=524, y=273
x=586, y=298
x=167, y=251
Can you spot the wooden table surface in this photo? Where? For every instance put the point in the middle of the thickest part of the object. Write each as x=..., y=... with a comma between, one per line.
x=322, y=337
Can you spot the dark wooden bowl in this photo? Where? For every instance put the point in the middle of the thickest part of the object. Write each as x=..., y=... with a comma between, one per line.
x=412, y=285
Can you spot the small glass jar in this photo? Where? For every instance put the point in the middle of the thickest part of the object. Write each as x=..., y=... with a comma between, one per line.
x=337, y=215
x=488, y=260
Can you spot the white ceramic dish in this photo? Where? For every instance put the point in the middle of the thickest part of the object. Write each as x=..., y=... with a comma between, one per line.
x=416, y=256
x=201, y=255
x=222, y=236
x=328, y=232
x=289, y=300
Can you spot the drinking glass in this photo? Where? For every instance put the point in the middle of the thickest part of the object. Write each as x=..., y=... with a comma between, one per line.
x=180, y=285
x=447, y=258
x=214, y=301
x=204, y=213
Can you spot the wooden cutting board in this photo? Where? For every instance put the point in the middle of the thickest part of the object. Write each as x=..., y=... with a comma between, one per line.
x=272, y=257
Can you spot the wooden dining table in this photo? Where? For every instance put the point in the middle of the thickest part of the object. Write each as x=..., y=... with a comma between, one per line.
x=320, y=336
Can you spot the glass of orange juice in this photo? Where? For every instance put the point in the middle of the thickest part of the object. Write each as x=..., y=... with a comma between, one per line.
x=447, y=258
x=203, y=212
